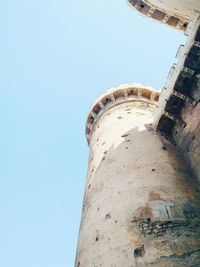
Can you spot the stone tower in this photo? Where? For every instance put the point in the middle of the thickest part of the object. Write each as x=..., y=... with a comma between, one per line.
x=141, y=205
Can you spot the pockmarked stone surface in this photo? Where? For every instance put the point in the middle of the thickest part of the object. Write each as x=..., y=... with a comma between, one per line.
x=141, y=204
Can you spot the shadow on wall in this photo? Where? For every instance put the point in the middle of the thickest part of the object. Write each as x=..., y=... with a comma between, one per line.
x=145, y=150
x=147, y=156
x=143, y=188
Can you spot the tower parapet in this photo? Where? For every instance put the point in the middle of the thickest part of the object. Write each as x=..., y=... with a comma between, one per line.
x=174, y=13
x=118, y=95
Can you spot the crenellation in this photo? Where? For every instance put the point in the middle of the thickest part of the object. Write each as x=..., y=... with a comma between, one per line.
x=113, y=96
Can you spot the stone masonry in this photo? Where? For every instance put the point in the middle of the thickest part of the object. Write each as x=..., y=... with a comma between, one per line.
x=141, y=204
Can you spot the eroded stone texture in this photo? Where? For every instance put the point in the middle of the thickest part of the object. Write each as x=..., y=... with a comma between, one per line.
x=188, y=138
x=141, y=205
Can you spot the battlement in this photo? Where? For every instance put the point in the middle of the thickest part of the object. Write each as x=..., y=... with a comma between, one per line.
x=174, y=13
x=117, y=95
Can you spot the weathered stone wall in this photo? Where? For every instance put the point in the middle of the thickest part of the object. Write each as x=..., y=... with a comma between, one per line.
x=178, y=115
x=188, y=138
x=141, y=205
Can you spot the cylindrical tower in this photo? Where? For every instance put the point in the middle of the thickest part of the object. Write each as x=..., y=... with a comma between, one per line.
x=141, y=204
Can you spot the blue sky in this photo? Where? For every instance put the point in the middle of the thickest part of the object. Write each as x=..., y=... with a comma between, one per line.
x=56, y=57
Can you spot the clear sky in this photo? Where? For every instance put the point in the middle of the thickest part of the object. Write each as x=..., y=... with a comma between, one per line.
x=56, y=57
